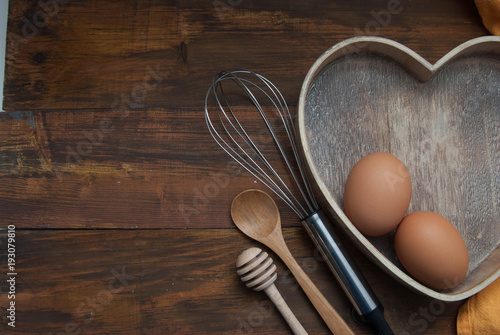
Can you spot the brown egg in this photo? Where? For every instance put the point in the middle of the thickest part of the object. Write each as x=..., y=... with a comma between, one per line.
x=432, y=250
x=377, y=193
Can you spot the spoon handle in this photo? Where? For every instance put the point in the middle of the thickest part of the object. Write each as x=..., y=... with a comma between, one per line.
x=332, y=319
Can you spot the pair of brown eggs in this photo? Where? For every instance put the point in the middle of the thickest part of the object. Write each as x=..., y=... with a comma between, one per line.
x=376, y=198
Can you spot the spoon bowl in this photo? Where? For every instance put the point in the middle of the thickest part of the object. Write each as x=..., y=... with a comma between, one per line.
x=255, y=213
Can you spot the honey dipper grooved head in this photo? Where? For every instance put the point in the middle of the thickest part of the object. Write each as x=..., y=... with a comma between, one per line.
x=256, y=269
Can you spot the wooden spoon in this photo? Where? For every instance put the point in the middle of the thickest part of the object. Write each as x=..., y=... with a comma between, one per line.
x=255, y=213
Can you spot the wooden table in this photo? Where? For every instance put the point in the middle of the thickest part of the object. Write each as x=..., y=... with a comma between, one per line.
x=119, y=196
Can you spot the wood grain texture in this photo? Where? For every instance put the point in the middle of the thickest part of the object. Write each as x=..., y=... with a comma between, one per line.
x=182, y=281
x=97, y=55
x=108, y=169
x=104, y=133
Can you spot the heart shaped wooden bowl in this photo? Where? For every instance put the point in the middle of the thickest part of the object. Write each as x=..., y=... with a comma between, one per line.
x=442, y=121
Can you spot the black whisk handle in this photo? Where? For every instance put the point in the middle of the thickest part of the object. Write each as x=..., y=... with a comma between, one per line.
x=345, y=270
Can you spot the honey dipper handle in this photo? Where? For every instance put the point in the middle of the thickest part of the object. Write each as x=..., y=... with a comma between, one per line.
x=273, y=293
x=332, y=319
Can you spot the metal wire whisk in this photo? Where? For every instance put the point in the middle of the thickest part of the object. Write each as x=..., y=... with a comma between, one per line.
x=228, y=131
x=242, y=148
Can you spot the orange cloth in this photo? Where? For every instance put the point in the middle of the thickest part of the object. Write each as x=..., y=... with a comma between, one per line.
x=490, y=14
x=480, y=315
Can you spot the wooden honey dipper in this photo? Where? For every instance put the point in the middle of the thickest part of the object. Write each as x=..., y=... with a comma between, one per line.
x=258, y=272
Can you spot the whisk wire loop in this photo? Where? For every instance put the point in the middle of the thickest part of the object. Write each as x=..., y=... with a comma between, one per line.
x=238, y=143
x=248, y=163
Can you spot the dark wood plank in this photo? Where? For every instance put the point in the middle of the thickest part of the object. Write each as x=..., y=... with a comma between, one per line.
x=121, y=143
x=183, y=282
x=101, y=54
x=103, y=169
